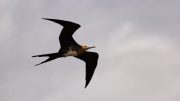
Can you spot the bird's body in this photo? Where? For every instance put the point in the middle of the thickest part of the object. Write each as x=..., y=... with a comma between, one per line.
x=72, y=51
x=69, y=47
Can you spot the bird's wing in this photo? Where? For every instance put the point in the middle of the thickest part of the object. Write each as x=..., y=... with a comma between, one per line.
x=90, y=58
x=69, y=28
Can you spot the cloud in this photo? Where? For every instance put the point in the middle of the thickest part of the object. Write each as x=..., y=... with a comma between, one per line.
x=137, y=42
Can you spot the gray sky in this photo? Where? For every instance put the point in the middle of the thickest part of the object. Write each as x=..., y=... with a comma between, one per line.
x=138, y=43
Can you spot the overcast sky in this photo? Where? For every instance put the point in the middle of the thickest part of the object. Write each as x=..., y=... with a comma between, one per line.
x=138, y=42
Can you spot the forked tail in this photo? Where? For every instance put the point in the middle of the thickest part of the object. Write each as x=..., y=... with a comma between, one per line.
x=51, y=56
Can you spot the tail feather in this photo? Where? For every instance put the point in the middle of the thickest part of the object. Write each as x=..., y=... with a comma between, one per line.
x=44, y=55
x=49, y=59
x=51, y=56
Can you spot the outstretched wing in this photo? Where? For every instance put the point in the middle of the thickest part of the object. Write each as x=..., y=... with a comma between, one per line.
x=90, y=58
x=69, y=28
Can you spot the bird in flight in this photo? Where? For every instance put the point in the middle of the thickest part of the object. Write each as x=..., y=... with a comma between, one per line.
x=69, y=47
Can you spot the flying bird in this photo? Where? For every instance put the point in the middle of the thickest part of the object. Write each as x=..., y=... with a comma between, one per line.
x=69, y=47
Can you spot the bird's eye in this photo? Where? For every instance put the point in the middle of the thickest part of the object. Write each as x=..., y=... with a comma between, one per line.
x=84, y=46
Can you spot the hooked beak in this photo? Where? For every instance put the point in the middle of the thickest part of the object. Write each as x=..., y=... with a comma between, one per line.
x=92, y=47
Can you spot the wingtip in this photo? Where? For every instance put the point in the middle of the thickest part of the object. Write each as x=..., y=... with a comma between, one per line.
x=45, y=18
x=53, y=20
x=87, y=83
x=35, y=56
x=85, y=86
x=36, y=64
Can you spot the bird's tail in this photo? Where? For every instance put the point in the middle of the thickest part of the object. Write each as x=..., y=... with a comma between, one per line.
x=51, y=56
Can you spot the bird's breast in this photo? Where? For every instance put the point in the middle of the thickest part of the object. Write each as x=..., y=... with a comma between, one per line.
x=71, y=53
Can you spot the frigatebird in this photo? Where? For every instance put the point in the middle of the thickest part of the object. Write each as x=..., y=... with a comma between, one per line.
x=69, y=47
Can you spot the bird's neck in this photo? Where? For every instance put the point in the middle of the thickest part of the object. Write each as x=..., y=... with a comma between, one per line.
x=82, y=50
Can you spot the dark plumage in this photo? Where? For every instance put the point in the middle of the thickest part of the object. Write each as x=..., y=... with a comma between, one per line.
x=69, y=47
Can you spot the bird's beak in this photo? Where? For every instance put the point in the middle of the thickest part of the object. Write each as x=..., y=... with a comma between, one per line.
x=92, y=47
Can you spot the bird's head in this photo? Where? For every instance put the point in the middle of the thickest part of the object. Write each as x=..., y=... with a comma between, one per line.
x=85, y=47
